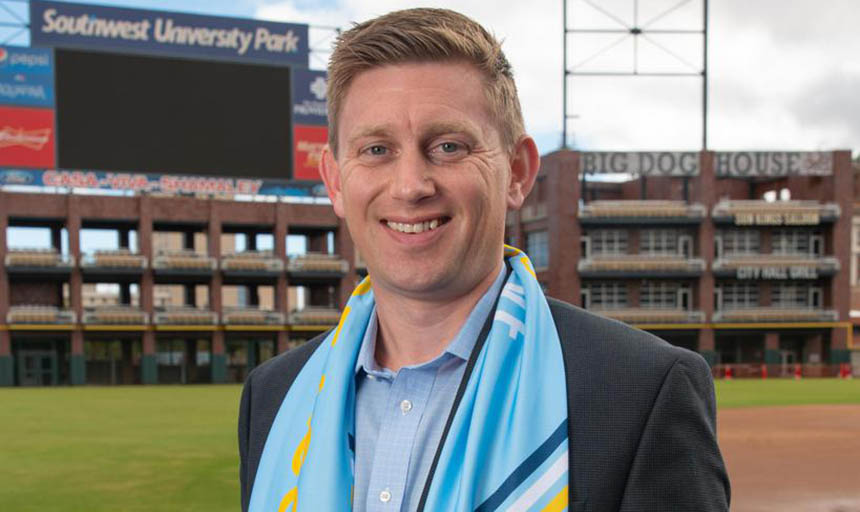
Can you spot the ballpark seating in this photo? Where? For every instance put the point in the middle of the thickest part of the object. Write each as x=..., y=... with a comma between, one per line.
x=758, y=207
x=776, y=314
x=115, y=315
x=33, y=314
x=315, y=316
x=121, y=258
x=317, y=262
x=649, y=316
x=642, y=208
x=184, y=315
x=641, y=262
x=259, y=261
x=183, y=260
x=38, y=258
x=251, y=316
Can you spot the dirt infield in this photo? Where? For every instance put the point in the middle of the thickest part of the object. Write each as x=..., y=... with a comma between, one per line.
x=793, y=459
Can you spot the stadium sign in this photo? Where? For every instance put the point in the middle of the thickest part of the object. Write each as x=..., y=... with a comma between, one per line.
x=727, y=164
x=26, y=137
x=777, y=219
x=155, y=183
x=755, y=164
x=309, y=101
x=68, y=25
x=776, y=273
x=641, y=163
x=26, y=77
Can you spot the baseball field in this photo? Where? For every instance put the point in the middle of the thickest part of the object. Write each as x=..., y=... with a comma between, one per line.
x=164, y=448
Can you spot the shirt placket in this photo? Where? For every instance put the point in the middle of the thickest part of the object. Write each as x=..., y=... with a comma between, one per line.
x=407, y=399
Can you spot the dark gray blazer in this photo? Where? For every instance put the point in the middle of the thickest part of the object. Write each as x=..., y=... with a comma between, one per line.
x=642, y=427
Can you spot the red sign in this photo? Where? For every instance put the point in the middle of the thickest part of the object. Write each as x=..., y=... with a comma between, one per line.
x=27, y=137
x=308, y=143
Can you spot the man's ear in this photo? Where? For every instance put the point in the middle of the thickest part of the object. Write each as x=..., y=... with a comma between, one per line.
x=525, y=163
x=330, y=174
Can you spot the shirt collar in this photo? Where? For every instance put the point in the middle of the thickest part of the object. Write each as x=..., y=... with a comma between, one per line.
x=461, y=346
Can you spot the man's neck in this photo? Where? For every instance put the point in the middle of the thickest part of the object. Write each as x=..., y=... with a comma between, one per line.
x=413, y=331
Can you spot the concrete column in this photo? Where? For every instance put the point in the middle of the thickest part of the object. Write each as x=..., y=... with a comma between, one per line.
x=6, y=363
x=562, y=169
x=843, y=187
x=707, y=345
x=148, y=363
x=77, y=358
x=281, y=285
x=814, y=347
x=283, y=341
x=219, y=358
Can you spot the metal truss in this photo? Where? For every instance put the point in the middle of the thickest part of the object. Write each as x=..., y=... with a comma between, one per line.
x=640, y=32
x=15, y=22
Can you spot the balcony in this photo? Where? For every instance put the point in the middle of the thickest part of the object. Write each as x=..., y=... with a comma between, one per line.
x=251, y=264
x=642, y=212
x=40, y=315
x=183, y=266
x=641, y=265
x=252, y=316
x=774, y=213
x=115, y=316
x=315, y=316
x=775, y=314
x=39, y=263
x=115, y=263
x=316, y=267
x=652, y=316
x=775, y=266
x=185, y=316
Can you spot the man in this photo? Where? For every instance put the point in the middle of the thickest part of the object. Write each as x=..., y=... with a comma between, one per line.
x=451, y=382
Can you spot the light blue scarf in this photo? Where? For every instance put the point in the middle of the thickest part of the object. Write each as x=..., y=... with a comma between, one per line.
x=507, y=445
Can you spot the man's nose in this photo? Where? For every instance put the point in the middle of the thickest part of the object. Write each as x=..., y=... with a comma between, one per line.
x=413, y=177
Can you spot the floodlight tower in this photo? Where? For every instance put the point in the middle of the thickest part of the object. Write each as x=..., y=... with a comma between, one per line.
x=639, y=31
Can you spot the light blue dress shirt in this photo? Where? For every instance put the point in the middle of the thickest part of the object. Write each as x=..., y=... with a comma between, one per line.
x=400, y=416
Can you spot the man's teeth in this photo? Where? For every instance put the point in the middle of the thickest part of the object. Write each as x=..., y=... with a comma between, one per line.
x=418, y=227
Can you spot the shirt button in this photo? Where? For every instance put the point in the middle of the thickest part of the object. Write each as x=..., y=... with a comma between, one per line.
x=385, y=496
x=405, y=406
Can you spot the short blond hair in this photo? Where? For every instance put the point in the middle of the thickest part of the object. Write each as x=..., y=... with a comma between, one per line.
x=425, y=35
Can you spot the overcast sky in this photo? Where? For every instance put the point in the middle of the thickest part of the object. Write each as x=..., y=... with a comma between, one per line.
x=783, y=74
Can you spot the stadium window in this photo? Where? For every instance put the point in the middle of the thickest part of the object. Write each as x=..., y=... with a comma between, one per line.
x=659, y=295
x=608, y=242
x=537, y=247
x=740, y=241
x=739, y=295
x=659, y=241
x=606, y=295
x=791, y=241
x=791, y=295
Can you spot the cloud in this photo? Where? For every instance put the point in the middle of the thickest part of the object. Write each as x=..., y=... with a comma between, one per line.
x=782, y=72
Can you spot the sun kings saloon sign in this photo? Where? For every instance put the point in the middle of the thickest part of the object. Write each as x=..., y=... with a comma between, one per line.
x=727, y=164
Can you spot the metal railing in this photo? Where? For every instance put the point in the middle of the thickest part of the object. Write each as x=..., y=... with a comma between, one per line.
x=642, y=208
x=251, y=316
x=260, y=261
x=184, y=315
x=318, y=262
x=656, y=315
x=315, y=316
x=46, y=258
x=36, y=314
x=115, y=315
x=183, y=260
x=641, y=262
x=776, y=314
x=121, y=258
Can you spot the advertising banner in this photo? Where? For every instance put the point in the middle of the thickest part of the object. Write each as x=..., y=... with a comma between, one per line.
x=68, y=25
x=27, y=137
x=309, y=101
x=158, y=183
x=308, y=143
x=26, y=77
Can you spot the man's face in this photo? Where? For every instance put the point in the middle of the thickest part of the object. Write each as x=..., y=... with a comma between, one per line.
x=421, y=178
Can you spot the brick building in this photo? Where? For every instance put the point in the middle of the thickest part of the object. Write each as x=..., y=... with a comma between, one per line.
x=744, y=257
x=190, y=308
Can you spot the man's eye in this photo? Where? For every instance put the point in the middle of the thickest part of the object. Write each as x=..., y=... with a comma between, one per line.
x=449, y=147
x=377, y=150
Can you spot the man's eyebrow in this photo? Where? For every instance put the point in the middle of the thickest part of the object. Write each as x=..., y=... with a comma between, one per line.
x=380, y=130
x=443, y=127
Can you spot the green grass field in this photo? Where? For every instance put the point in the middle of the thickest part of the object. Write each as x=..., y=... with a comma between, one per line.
x=160, y=448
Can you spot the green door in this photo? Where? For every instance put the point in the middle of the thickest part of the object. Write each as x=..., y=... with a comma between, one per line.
x=37, y=368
